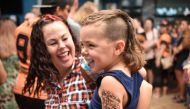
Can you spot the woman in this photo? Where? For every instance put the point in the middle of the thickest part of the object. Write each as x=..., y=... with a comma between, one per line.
x=9, y=62
x=54, y=63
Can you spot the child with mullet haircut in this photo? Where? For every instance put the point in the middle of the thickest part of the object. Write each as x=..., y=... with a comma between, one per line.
x=108, y=44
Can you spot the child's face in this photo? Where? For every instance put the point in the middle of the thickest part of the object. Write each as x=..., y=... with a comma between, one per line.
x=97, y=49
x=59, y=44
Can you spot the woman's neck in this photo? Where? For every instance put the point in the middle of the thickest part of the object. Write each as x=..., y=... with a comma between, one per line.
x=65, y=72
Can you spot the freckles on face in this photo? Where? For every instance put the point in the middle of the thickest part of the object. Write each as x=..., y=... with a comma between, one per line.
x=59, y=44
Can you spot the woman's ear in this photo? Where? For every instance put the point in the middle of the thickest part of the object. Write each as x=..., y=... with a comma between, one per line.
x=120, y=46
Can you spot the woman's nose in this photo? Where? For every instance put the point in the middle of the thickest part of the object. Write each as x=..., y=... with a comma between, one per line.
x=61, y=44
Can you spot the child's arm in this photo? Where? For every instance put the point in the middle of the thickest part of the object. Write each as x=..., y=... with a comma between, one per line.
x=112, y=93
x=145, y=95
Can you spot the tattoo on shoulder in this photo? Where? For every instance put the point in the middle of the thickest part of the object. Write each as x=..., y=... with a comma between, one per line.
x=109, y=100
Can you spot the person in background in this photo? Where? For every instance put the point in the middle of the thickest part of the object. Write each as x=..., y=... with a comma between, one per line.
x=61, y=8
x=3, y=74
x=181, y=52
x=86, y=9
x=23, y=33
x=149, y=46
x=55, y=62
x=74, y=8
x=138, y=25
x=9, y=62
x=30, y=16
x=186, y=68
x=110, y=47
x=140, y=33
x=163, y=61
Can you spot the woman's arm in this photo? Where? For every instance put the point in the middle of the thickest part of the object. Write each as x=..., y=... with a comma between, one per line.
x=145, y=95
x=3, y=74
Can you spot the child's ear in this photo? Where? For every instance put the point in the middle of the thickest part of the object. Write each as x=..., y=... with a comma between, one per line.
x=120, y=46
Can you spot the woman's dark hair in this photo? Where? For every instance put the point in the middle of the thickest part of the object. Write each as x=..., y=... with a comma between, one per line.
x=42, y=70
x=119, y=26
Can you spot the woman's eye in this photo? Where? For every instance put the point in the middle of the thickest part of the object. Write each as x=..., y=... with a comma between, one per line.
x=64, y=39
x=53, y=43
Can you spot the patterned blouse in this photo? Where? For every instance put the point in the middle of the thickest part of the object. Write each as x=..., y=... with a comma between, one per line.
x=73, y=94
x=7, y=99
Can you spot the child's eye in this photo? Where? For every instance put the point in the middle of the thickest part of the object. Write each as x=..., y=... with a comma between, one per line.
x=81, y=45
x=91, y=45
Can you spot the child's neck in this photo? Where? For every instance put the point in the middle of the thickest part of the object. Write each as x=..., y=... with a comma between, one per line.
x=121, y=66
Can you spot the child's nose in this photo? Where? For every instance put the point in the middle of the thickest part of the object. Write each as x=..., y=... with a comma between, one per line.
x=84, y=51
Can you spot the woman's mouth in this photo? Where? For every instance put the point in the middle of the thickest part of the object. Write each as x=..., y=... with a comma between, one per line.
x=64, y=56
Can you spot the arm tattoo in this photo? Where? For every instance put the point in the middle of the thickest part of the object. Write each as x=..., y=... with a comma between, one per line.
x=109, y=100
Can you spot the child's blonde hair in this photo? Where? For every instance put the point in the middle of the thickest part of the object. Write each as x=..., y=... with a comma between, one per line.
x=118, y=25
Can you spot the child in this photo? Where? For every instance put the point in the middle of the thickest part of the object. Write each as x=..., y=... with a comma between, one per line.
x=108, y=44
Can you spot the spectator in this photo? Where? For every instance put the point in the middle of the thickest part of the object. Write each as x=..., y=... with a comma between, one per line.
x=151, y=40
x=23, y=32
x=86, y=9
x=61, y=8
x=181, y=53
x=9, y=62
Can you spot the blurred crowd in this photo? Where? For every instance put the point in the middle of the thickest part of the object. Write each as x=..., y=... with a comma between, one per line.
x=166, y=51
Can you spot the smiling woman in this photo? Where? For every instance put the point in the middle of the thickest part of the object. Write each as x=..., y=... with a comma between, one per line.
x=60, y=46
x=54, y=62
